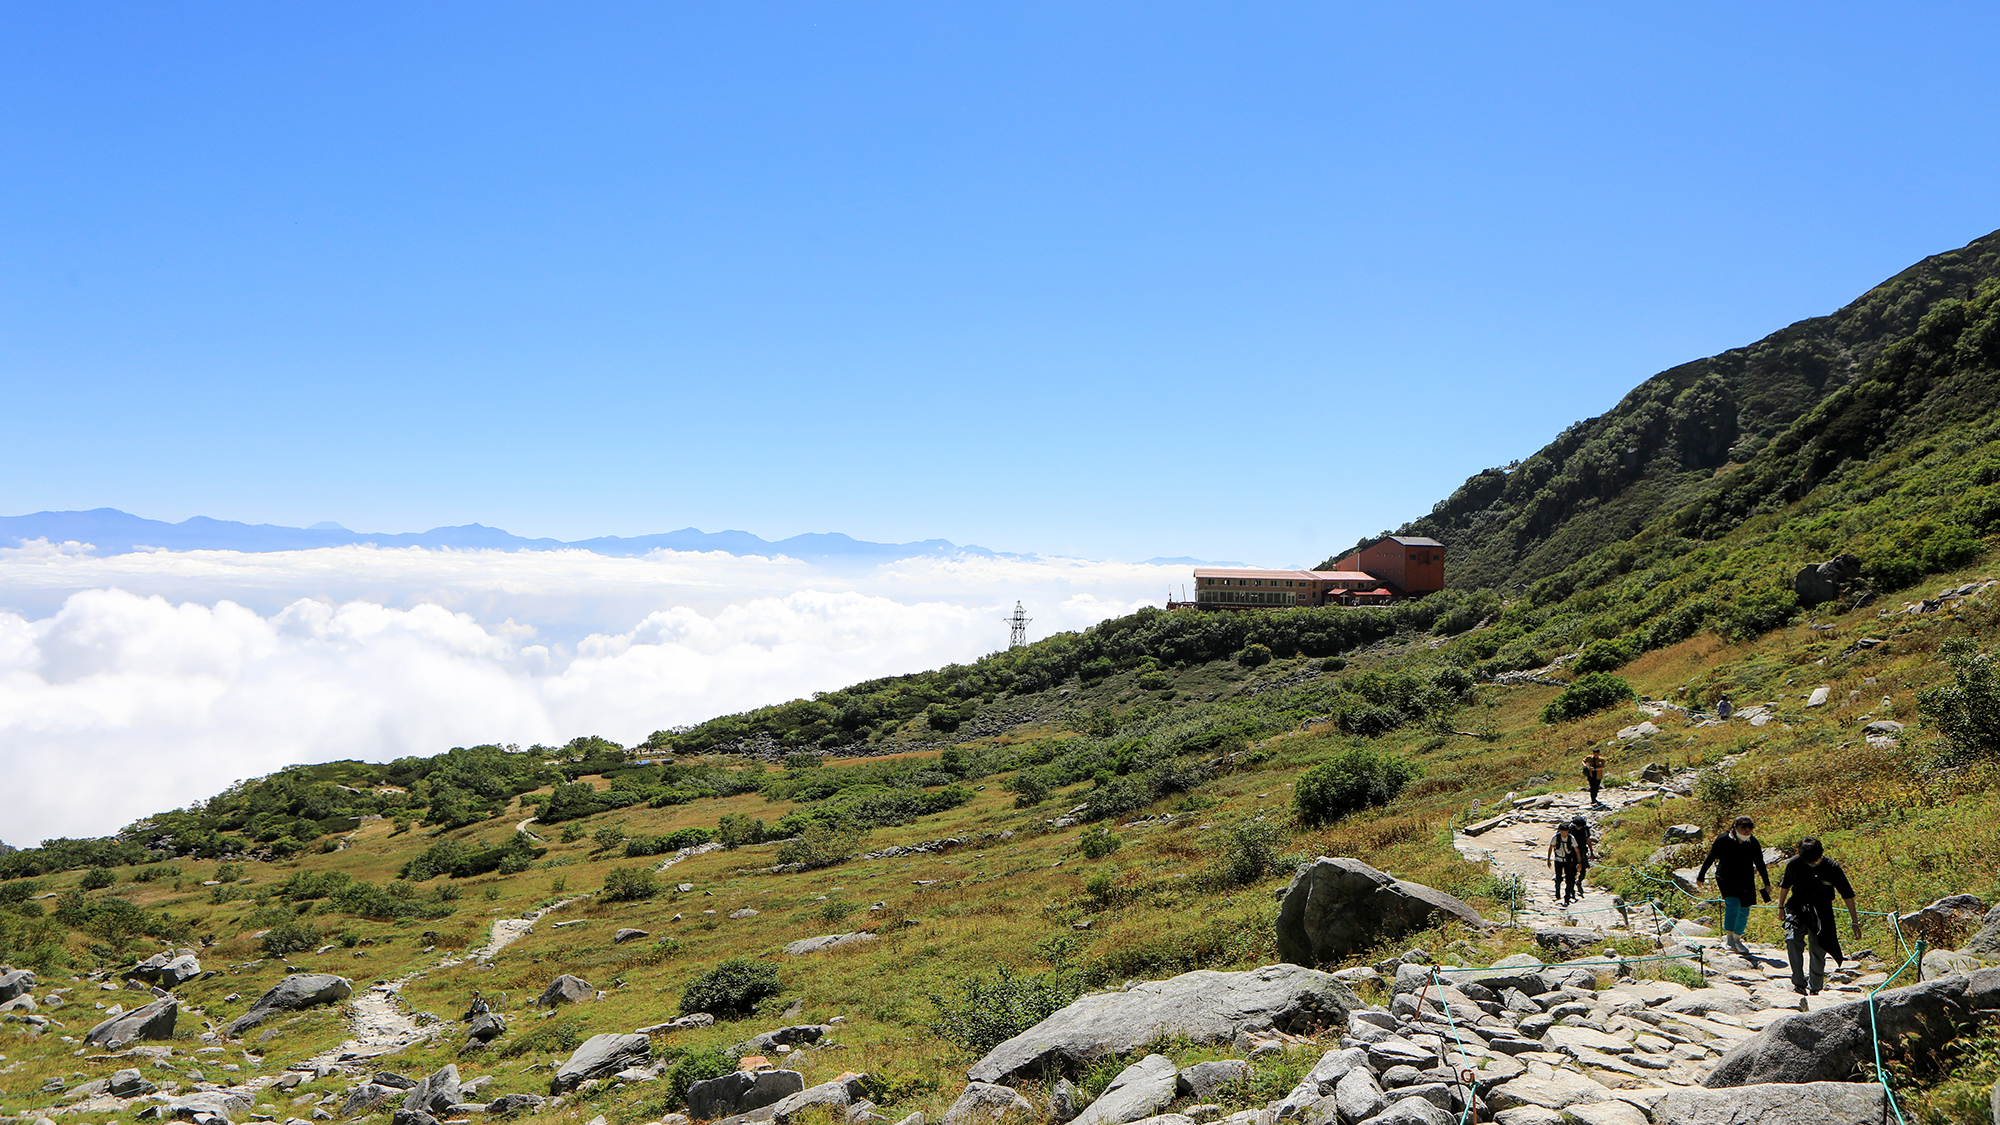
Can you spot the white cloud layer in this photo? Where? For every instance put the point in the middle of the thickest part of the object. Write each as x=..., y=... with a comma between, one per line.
x=142, y=682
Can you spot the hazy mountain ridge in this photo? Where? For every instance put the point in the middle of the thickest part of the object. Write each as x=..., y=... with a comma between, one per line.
x=113, y=532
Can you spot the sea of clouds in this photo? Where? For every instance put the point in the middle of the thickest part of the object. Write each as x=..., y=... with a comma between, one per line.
x=135, y=683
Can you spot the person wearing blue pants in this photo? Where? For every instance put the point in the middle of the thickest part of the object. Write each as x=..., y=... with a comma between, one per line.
x=1737, y=857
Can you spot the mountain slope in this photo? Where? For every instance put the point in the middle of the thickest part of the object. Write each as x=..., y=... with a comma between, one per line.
x=1604, y=478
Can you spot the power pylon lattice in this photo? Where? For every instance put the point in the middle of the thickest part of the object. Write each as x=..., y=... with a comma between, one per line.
x=1017, y=632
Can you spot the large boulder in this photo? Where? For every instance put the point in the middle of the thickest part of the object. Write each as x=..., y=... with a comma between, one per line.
x=436, y=1094
x=1204, y=1006
x=1335, y=907
x=1822, y=582
x=1809, y=1103
x=1202, y=1080
x=366, y=1098
x=1140, y=1091
x=565, y=989
x=300, y=990
x=166, y=969
x=1834, y=1043
x=798, y=1035
x=804, y=946
x=828, y=1099
x=15, y=982
x=741, y=1092
x=484, y=1028
x=153, y=1021
x=601, y=1056
x=983, y=1102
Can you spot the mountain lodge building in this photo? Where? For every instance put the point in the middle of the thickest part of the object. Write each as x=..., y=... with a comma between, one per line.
x=1378, y=573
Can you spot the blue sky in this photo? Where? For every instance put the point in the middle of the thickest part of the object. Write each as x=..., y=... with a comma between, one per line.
x=1118, y=281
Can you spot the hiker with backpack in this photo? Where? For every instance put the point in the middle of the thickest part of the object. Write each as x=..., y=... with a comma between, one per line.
x=1566, y=857
x=1805, y=901
x=1738, y=859
x=1593, y=773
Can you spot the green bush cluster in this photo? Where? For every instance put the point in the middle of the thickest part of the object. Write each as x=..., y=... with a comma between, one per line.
x=288, y=937
x=630, y=884
x=1350, y=781
x=732, y=988
x=1586, y=695
x=1966, y=711
x=986, y=1011
x=667, y=843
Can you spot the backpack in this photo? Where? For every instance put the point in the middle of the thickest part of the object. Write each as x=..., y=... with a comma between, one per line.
x=1579, y=831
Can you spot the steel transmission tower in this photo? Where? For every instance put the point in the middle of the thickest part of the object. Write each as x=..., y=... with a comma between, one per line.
x=1017, y=633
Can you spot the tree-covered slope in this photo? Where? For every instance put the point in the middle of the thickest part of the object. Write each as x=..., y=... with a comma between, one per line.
x=1663, y=446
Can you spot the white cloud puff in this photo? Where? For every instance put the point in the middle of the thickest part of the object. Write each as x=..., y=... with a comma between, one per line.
x=136, y=683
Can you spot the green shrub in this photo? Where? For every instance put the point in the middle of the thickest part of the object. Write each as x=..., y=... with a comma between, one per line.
x=608, y=837
x=1350, y=781
x=630, y=884
x=1333, y=664
x=1105, y=888
x=1588, y=694
x=1030, y=789
x=1605, y=656
x=1246, y=852
x=988, y=1011
x=731, y=988
x=97, y=878
x=1254, y=656
x=804, y=760
x=1155, y=680
x=1098, y=844
x=288, y=937
x=821, y=845
x=735, y=830
x=1966, y=711
x=698, y=1065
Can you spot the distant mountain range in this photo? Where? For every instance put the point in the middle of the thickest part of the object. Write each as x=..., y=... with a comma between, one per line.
x=112, y=532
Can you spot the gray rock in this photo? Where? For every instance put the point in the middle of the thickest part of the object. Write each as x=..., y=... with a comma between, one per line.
x=404, y=1116
x=129, y=1084
x=741, y=1092
x=393, y=1080
x=986, y=1101
x=1834, y=1043
x=1413, y=1111
x=1063, y=1097
x=1204, y=1006
x=628, y=934
x=1566, y=941
x=436, y=1094
x=1320, y=1081
x=1335, y=907
x=166, y=969
x=506, y=1105
x=484, y=1029
x=1202, y=1080
x=601, y=1056
x=1682, y=833
x=1806, y=1103
x=202, y=1105
x=692, y=1019
x=1985, y=943
x=804, y=946
x=798, y=1035
x=1708, y=1002
x=151, y=1021
x=16, y=982
x=834, y=1097
x=1559, y=1090
x=1358, y=1096
x=1613, y=1112
x=1822, y=582
x=300, y=990
x=565, y=989
x=1140, y=1090
x=366, y=1098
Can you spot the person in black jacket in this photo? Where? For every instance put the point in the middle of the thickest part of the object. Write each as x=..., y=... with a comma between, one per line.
x=1805, y=900
x=1737, y=856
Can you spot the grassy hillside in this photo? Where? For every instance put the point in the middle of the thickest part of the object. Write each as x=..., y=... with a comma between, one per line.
x=1171, y=746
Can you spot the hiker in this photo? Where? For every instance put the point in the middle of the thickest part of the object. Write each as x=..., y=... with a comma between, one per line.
x=1566, y=858
x=1724, y=708
x=1805, y=902
x=478, y=1007
x=1736, y=855
x=1579, y=834
x=1593, y=773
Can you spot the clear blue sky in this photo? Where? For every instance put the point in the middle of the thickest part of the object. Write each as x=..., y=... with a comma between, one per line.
x=1235, y=281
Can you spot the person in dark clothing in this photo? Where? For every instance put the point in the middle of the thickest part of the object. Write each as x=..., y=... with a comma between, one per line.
x=1567, y=860
x=1736, y=856
x=1805, y=901
x=1593, y=773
